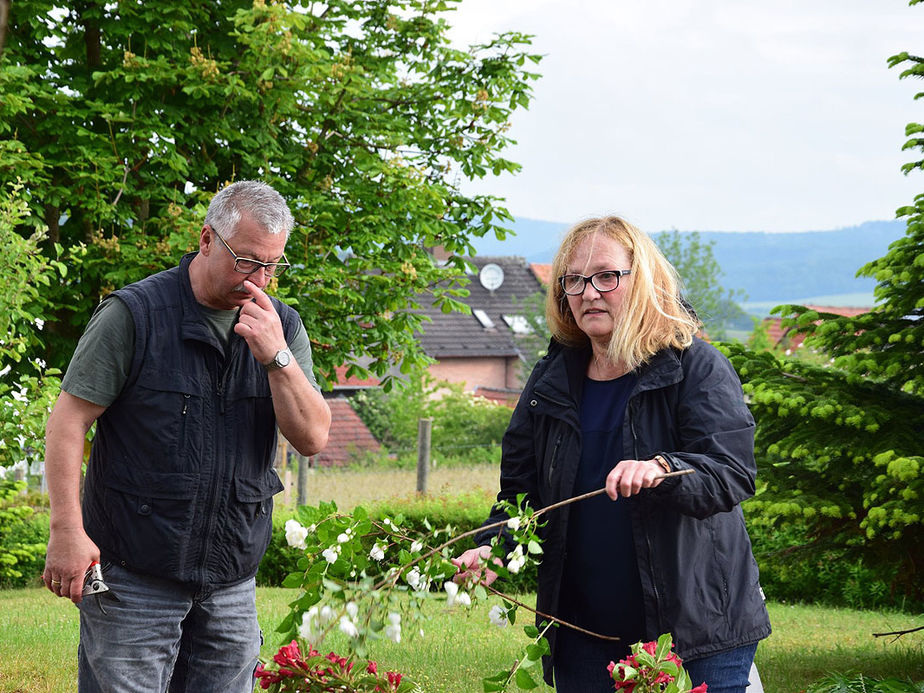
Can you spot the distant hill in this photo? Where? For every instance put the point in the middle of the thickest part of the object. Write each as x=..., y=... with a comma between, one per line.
x=768, y=267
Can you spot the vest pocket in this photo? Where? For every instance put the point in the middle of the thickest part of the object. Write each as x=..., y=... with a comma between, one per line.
x=250, y=522
x=150, y=518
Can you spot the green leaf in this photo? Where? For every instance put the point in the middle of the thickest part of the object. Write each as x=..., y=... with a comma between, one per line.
x=524, y=680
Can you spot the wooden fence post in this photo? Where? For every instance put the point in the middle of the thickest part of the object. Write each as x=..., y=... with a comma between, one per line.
x=424, y=427
x=302, y=479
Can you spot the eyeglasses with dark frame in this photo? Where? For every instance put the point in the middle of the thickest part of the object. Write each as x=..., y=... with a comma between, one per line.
x=246, y=265
x=605, y=281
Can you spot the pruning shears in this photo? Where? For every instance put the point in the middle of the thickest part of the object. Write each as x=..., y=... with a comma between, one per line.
x=93, y=586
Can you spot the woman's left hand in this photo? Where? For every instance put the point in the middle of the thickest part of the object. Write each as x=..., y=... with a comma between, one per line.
x=630, y=476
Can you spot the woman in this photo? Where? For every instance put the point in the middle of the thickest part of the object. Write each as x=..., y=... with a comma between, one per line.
x=625, y=394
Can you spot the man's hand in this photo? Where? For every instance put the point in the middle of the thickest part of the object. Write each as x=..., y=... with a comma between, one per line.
x=260, y=326
x=470, y=565
x=70, y=553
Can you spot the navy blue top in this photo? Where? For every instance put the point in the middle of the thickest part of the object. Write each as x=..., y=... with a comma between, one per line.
x=601, y=590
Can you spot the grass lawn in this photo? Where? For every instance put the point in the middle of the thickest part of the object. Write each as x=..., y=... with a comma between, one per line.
x=38, y=643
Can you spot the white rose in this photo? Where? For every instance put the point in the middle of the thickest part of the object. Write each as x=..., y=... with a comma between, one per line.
x=498, y=616
x=413, y=578
x=347, y=627
x=416, y=546
x=513, y=523
x=393, y=629
x=464, y=600
x=377, y=553
x=331, y=553
x=296, y=534
x=452, y=590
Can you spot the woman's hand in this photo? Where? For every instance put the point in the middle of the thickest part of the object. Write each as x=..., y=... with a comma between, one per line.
x=630, y=476
x=470, y=564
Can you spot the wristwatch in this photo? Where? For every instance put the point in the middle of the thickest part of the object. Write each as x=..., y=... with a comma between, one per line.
x=282, y=359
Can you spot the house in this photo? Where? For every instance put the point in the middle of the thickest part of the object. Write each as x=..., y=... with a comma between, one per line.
x=482, y=350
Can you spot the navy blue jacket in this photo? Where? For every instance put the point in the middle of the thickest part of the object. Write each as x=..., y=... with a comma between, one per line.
x=699, y=578
x=180, y=480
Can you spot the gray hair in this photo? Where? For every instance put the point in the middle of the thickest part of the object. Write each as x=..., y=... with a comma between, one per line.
x=256, y=199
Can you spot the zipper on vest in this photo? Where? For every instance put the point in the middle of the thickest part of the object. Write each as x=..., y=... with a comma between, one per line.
x=185, y=403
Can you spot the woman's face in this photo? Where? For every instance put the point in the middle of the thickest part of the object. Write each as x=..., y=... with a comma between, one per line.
x=596, y=313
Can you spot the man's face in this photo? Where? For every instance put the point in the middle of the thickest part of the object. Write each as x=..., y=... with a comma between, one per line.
x=224, y=286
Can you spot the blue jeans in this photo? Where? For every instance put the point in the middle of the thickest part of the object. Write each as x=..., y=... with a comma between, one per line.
x=163, y=636
x=725, y=672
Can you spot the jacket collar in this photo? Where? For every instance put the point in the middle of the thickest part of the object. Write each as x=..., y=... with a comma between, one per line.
x=562, y=382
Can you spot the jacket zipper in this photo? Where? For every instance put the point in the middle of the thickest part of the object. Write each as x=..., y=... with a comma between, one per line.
x=554, y=457
x=633, y=410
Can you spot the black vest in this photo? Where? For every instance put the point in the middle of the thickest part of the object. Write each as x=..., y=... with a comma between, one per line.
x=180, y=480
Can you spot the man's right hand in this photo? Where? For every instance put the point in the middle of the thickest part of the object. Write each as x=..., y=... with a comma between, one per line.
x=471, y=564
x=70, y=552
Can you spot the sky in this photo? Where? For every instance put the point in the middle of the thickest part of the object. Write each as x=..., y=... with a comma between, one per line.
x=710, y=115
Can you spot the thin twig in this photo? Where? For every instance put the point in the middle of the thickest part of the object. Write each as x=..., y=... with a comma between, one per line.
x=898, y=633
x=555, y=619
x=554, y=506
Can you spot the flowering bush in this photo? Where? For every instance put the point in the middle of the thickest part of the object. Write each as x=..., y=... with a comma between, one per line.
x=369, y=578
x=294, y=671
x=652, y=668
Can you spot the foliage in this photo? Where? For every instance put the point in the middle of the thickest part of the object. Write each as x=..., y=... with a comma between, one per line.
x=695, y=262
x=793, y=569
x=464, y=512
x=465, y=427
x=653, y=668
x=370, y=579
x=17, y=556
x=842, y=441
x=122, y=119
x=293, y=671
x=858, y=683
x=27, y=386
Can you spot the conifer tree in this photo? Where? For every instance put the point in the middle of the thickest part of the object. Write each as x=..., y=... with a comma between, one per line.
x=840, y=445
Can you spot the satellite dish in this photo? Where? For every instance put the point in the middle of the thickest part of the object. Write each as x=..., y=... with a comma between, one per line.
x=491, y=276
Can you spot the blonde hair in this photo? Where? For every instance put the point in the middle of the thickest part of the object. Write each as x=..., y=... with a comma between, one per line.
x=655, y=315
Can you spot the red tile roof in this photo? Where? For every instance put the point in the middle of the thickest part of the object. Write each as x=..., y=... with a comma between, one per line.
x=792, y=341
x=348, y=438
x=353, y=381
x=542, y=271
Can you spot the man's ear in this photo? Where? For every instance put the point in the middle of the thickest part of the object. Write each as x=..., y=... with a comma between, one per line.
x=206, y=239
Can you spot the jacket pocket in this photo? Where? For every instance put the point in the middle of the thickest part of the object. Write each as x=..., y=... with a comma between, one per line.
x=249, y=525
x=150, y=517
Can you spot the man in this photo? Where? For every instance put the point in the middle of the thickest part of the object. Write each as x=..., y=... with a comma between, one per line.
x=187, y=374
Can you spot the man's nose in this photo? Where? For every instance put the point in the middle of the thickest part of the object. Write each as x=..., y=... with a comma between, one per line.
x=260, y=277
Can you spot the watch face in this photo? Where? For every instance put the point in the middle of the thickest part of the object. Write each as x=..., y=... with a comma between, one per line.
x=282, y=358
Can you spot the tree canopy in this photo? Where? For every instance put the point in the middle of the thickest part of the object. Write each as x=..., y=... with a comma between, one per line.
x=695, y=262
x=843, y=439
x=123, y=119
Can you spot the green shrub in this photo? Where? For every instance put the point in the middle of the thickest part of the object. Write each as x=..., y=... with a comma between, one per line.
x=796, y=567
x=23, y=537
x=464, y=512
x=465, y=428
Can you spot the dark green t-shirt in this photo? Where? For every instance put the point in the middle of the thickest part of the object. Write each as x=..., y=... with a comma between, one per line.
x=103, y=358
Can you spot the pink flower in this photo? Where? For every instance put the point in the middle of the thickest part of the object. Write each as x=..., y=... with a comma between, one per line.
x=394, y=679
x=372, y=668
x=701, y=688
